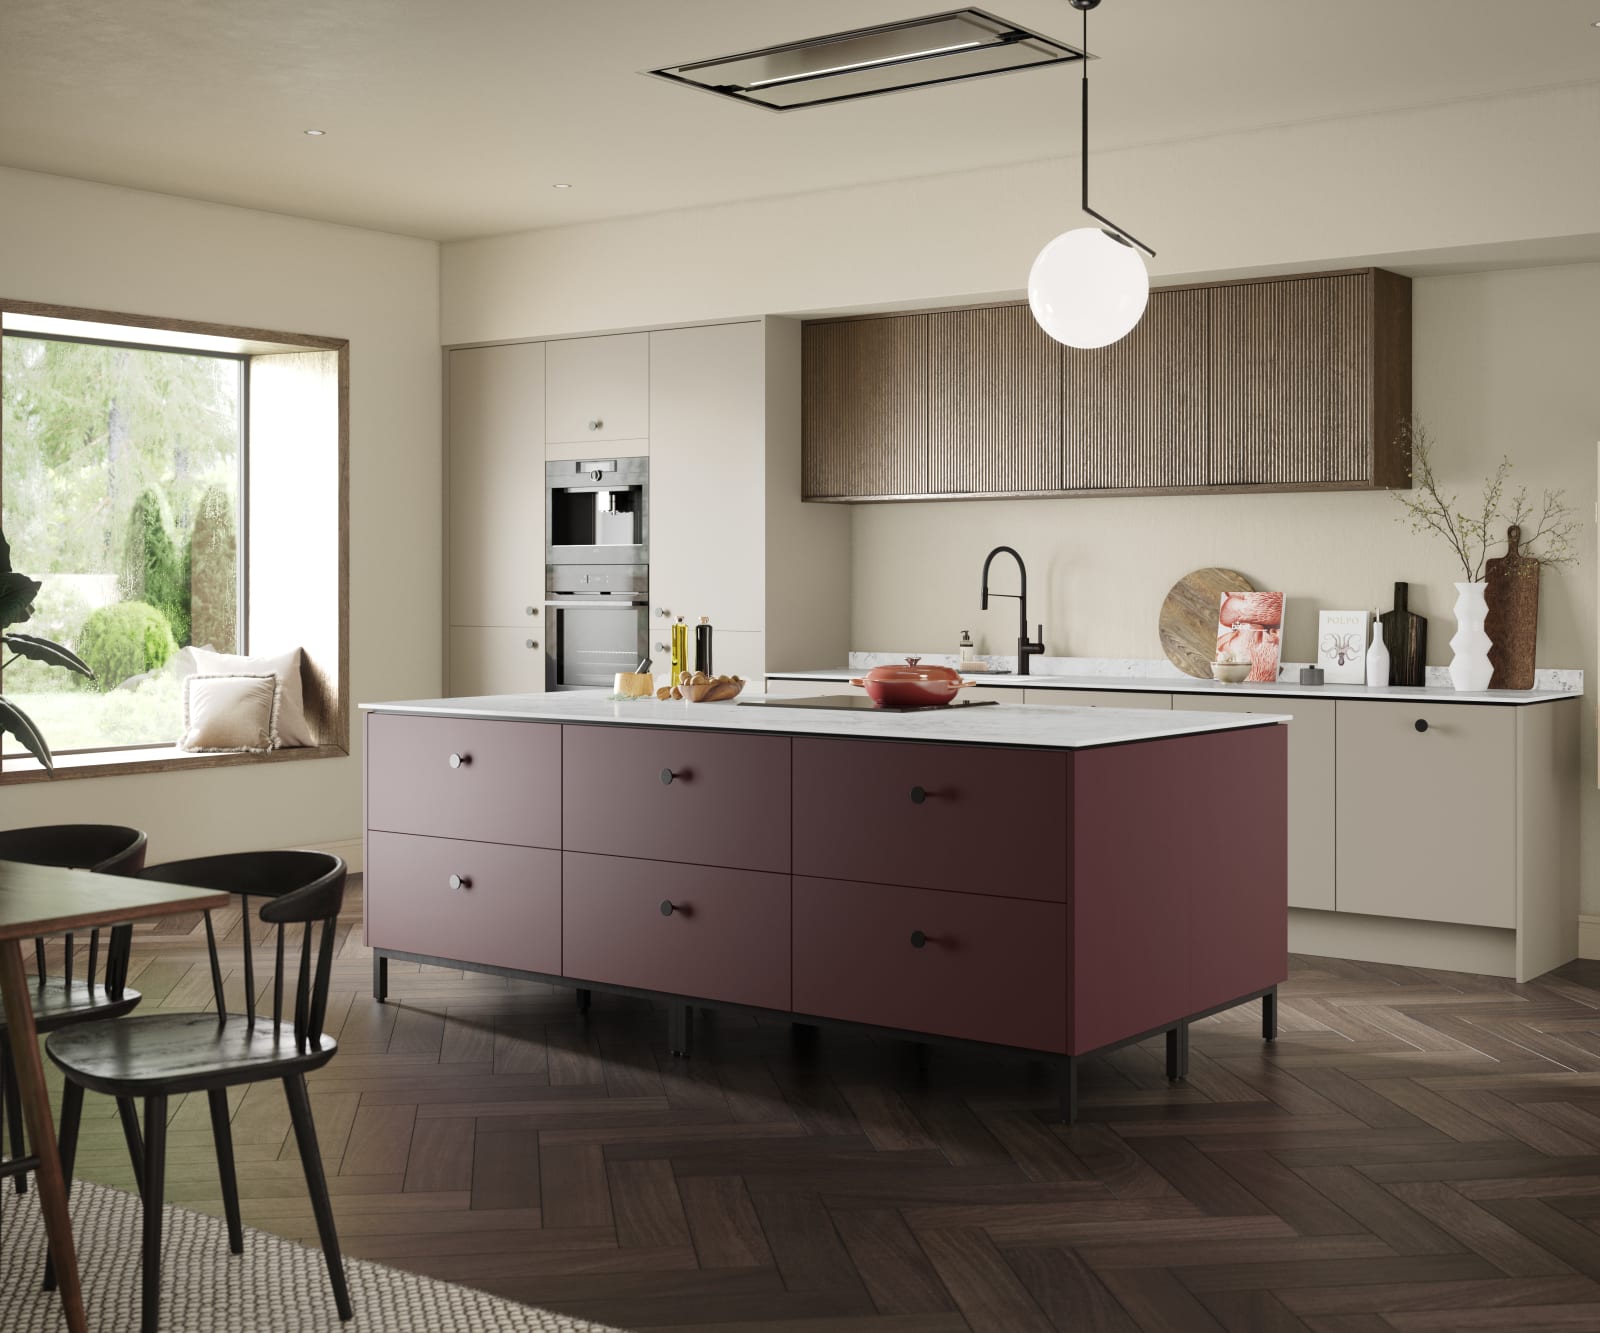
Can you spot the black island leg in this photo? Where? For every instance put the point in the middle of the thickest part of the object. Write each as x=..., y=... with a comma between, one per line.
x=1069, y=1091
x=1269, y=1015
x=680, y=1024
x=380, y=978
x=582, y=992
x=1178, y=1052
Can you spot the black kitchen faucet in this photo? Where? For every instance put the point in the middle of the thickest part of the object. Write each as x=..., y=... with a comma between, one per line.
x=1026, y=648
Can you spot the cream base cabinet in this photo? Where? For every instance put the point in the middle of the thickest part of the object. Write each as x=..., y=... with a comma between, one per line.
x=707, y=477
x=495, y=519
x=1427, y=812
x=494, y=660
x=597, y=396
x=1311, y=788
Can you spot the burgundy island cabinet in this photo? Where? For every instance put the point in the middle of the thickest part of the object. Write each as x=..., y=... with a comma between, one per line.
x=1055, y=880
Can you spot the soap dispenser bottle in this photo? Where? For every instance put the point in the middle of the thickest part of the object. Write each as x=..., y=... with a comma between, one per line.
x=967, y=649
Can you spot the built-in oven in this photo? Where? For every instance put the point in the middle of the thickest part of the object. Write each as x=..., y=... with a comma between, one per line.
x=597, y=623
x=597, y=512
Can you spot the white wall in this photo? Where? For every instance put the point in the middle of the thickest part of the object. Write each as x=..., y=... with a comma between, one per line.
x=106, y=248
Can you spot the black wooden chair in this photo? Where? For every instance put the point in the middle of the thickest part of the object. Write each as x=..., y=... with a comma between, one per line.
x=61, y=1001
x=158, y=1056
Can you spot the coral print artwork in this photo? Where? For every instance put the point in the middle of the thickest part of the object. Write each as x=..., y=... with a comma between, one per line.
x=1250, y=629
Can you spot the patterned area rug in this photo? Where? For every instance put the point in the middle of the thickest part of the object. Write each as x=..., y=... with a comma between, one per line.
x=274, y=1285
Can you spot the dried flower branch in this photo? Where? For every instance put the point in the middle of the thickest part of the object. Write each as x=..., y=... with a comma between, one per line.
x=1428, y=509
x=1546, y=535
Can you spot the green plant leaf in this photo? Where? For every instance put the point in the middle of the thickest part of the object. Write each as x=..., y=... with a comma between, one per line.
x=42, y=650
x=17, y=592
x=20, y=725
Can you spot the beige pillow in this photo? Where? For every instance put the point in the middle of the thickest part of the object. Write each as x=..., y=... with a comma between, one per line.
x=230, y=713
x=293, y=729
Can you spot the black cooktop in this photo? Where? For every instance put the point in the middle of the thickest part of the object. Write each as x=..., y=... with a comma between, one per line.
x=855, y=703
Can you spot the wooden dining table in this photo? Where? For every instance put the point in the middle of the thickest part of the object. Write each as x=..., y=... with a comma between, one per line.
x=46, y=900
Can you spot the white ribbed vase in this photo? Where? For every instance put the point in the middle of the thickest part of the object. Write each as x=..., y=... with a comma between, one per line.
x=1469, y=668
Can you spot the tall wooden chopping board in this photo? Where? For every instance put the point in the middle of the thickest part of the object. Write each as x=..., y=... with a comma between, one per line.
x=1512, y=594
x=1188, y=622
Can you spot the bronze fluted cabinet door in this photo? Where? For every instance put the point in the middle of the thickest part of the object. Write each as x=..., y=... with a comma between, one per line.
x=995, y=398
x=865, y=408
x=1310, y=381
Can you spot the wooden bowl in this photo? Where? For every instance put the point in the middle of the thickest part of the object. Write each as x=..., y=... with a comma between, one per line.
x=1230, y=673
x=712, y=691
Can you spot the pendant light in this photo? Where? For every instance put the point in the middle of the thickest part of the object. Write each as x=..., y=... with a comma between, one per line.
x=1089, y=286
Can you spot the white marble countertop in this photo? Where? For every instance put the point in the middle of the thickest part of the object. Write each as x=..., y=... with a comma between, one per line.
x=1113, y=676
x=1030, y=726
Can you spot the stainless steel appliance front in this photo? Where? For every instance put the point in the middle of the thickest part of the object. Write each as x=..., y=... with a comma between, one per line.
x=597, y=511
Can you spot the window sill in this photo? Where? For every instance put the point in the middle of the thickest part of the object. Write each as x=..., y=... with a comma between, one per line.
x=155, y=759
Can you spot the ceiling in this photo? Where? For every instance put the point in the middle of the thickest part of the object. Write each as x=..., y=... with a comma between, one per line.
x=450, y=120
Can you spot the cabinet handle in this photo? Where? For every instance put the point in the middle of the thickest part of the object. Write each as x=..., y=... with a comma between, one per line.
x=533, y=610
x=918, y=939
x=918, y=796
x=668, y=907
x=1422, y=724
x=662, y=613
x=460, y=881
x=460, y=760
x=662, y=648
x=533, y=643
x=596, y=424
x=667, y=776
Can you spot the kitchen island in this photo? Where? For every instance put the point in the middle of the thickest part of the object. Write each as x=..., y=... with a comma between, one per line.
x=1058, y=881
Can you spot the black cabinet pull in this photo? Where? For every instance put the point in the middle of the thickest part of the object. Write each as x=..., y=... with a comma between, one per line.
x=666, y=777
x=1422, y=724
x=460, y=760
x=918, y=939
x=918, y=796
x=667, y=908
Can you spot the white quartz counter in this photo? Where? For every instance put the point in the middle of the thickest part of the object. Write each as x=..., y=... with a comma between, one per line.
x=1028, y=726
x=1180, y=684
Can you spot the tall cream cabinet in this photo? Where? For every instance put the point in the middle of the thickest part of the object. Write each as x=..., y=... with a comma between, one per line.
x=495, y=519
x=716, y=409
x=597, y=396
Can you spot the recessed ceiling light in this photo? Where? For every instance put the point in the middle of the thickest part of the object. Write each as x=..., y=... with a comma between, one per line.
x=561, y=186
x=316, y=134
x=841, y=66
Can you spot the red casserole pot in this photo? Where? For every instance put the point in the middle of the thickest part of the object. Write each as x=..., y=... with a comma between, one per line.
x=911, y=685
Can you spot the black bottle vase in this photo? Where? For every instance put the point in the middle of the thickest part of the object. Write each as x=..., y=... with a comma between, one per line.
x=1405, y=635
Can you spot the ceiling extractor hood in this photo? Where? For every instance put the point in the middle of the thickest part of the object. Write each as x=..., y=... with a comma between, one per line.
x=865, y=62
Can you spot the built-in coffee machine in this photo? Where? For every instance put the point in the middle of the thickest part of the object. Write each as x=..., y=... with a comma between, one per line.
x=597, y=570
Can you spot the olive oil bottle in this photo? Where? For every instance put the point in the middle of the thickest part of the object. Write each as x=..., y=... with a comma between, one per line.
x=680, y=649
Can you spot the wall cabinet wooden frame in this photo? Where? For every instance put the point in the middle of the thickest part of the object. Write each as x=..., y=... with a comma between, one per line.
x=1268, y=384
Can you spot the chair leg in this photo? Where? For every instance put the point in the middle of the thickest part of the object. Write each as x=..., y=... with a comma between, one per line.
x=129, y=1115
x=305, y=1133
x=222, y=1132
x=155, y=1175
x=71, y=1118
x=13, y=1100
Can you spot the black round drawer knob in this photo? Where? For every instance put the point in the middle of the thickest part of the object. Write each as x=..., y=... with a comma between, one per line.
x=667, y=775
x=460, y=760
x=1422, y=724
x=918, y=796
x=918, y=939
x=460, y=881
x=667, y=908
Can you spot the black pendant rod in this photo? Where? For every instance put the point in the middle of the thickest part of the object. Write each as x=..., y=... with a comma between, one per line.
x=1111, y=229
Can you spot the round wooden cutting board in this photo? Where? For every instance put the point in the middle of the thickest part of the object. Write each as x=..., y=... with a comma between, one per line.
x=1189, y=618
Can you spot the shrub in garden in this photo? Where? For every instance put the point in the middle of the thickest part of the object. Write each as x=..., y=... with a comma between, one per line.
x=152, y=567
x=125, y=640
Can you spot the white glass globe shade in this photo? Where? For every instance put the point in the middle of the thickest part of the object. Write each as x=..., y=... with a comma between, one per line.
x=1087, y=290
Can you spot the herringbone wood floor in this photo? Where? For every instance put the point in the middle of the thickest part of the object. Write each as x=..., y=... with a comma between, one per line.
x=1419, y=1151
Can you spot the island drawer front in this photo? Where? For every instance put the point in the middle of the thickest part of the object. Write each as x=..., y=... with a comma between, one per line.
x=990, y=821
x=726, y=938
x=507, y=912
x=990, y=969
x=506, y=787
x=667, y=794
